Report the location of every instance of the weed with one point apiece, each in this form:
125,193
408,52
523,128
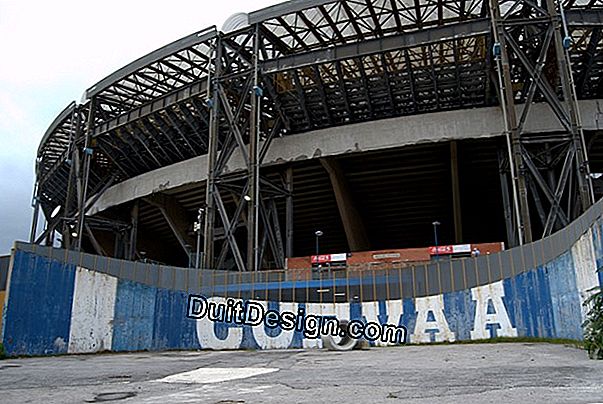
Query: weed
593,326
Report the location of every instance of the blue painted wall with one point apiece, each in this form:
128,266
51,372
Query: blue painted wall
541,302
134,317
38,312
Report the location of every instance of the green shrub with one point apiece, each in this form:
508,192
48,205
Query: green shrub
2,353
593,326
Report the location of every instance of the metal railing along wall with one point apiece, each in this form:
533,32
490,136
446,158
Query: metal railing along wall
397,282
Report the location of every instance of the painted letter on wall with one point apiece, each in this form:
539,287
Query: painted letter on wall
491,317
431,320
206,332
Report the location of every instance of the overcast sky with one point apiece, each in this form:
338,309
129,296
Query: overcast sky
51,51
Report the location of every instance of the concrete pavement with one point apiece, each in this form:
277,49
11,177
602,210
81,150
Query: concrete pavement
505,373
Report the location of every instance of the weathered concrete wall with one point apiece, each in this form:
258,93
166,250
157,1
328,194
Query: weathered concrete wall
56,304
91,327
544,302
38,308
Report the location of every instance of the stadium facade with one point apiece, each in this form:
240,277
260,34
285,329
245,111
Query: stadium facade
367,120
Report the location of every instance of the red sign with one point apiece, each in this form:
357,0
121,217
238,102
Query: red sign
325,259
450,249
441,250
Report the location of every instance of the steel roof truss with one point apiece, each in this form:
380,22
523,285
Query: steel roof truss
135,135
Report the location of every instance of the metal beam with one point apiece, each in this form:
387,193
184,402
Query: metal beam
253,178
95,244
133,243
520,192
503,165
212,156
189,41
84,175
370,47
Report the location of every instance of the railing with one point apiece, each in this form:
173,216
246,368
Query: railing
337,286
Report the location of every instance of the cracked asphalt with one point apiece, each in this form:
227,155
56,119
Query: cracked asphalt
505,373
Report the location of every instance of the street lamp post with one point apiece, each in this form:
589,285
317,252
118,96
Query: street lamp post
435,236
318,234
198,226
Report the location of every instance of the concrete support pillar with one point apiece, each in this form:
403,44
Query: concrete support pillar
134,231
176,217
352,222
289,214
456,193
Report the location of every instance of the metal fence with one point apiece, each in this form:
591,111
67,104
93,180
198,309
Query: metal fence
336,286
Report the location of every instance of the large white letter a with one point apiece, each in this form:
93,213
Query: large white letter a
483,295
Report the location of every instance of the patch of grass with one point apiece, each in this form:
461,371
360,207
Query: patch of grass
2,353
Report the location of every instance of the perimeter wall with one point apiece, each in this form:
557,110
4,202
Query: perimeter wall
64,302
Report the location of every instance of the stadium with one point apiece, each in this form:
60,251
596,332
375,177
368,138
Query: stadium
449,151
366,121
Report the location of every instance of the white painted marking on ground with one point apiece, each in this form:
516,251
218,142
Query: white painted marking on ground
216,375
207,393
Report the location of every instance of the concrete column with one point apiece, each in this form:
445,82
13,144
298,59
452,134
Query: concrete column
134,231
456,193
176,217
352,222
289,214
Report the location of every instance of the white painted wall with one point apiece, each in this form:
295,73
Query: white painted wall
92,312
585,263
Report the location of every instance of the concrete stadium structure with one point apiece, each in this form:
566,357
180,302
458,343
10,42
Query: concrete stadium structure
367,120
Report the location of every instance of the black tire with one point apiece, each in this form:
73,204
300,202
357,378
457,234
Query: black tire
346,343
